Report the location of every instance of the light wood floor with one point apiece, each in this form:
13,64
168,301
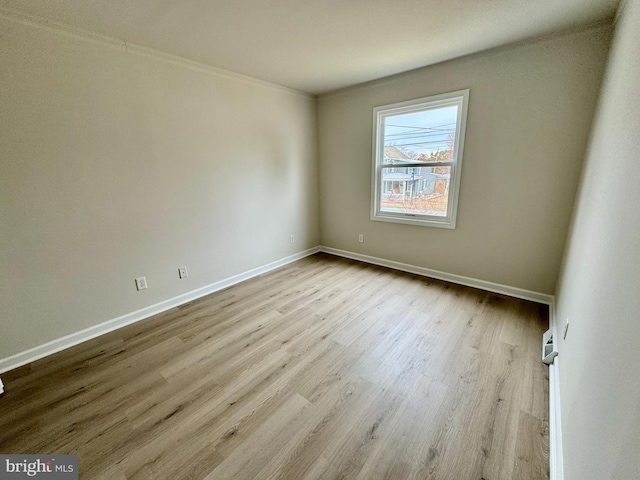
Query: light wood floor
324,369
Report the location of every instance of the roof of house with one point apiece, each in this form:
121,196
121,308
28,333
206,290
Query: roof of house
400,176
395,154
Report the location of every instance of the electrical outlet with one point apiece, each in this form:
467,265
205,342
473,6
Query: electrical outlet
361,238
292,239
566,330
141,283
182,272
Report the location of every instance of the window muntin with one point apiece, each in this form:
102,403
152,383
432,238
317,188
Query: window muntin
418,158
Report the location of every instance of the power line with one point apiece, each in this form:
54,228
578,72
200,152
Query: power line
433,142
414,135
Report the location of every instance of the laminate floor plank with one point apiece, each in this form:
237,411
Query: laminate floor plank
326,368
531,448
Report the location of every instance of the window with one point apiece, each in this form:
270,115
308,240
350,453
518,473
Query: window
417,160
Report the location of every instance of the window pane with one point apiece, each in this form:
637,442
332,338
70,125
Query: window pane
417,191
427,136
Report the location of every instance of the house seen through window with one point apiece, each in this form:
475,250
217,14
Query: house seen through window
418,159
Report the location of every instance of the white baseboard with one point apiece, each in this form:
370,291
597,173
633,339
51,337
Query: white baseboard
67,341
556,465
448,277
556,470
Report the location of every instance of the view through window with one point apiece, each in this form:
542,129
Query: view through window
418,159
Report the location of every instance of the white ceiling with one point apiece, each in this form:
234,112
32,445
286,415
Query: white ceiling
319,45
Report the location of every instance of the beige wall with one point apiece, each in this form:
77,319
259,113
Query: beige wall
599,290
529,115
116,165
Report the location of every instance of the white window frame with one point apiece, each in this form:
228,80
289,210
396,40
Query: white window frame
460,98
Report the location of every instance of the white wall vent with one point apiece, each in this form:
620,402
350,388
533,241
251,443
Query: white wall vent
549,347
